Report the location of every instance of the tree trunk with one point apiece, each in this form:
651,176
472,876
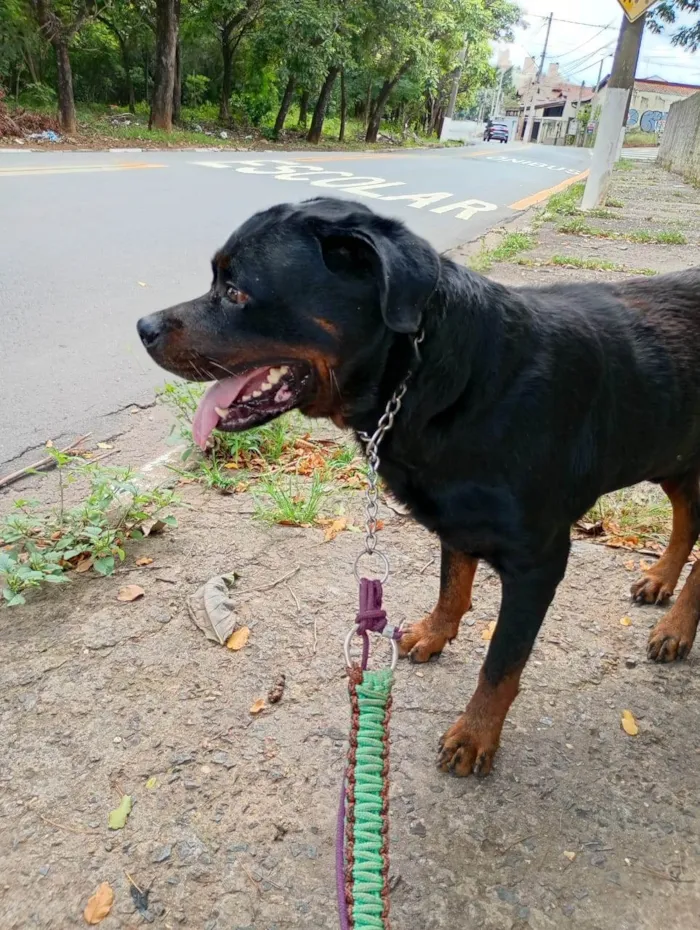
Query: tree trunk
177,85
343,107
167,26
285,105
304,109
368,105
66,103
227,76
314,134
375,119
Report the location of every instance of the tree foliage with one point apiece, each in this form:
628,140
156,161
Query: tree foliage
683,16
255,62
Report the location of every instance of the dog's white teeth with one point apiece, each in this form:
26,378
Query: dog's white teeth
223,412
246,397
284,369
266,386
257,393
274,375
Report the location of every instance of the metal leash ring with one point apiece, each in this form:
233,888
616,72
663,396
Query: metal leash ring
382,558
348,659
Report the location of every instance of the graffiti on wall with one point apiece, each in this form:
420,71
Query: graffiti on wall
648,121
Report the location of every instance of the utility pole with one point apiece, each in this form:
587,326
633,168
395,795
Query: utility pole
578,112
499,92
531,115
612,119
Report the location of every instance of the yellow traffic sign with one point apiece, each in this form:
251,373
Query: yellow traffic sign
634,8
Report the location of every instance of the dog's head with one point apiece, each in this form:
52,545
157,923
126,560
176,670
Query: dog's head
300,292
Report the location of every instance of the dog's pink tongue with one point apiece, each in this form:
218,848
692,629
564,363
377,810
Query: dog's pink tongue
220,394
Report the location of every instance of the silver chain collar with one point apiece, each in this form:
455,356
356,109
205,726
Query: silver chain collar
372,443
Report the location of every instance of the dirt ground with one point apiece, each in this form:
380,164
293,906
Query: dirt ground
233,821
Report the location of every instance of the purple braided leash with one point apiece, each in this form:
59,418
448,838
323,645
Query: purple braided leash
371,618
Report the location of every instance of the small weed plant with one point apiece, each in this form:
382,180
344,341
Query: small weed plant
40,548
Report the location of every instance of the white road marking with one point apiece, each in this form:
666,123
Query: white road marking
531,164
350,183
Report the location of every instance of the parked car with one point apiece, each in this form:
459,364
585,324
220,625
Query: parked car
497,132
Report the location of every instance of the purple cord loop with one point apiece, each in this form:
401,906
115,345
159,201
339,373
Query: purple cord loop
371,618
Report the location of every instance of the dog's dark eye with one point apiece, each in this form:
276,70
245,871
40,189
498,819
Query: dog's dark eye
236,295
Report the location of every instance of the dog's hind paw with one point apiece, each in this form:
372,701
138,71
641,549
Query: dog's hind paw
420,642
672,638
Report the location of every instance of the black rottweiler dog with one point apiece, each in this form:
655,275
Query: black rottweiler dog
525,406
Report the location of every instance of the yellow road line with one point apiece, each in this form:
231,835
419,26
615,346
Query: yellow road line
29,170
543,195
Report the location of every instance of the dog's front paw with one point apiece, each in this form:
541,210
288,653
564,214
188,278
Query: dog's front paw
421,641
467,748
652,588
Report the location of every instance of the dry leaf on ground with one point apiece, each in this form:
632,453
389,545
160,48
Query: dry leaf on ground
118,817
629,724
334,527
487,634
258,706
130,592
238,639
144,560
84,565
644,565
99,905
630,566
626,621
105,445
569,855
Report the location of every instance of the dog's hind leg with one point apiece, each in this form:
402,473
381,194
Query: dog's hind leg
659,582
428,637
471,743
673,637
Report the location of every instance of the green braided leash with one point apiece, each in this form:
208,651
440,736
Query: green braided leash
369,872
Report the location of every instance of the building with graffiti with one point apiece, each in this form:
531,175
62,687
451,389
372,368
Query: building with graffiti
651,99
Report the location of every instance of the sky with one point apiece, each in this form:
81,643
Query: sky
579,49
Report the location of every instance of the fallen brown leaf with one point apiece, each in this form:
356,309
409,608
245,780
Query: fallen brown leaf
569,855
626,621
130,592
487,634
99,905
238,639
334,527
644,565
258,706
104,445
144,560
629,724
631,565
84,565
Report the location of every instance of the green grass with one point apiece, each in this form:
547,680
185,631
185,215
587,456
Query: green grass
297,503
642,512
642,139
596,264
579,227
566,202
625,164
614,202
511,245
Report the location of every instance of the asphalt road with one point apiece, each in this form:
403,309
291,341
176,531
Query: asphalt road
91,241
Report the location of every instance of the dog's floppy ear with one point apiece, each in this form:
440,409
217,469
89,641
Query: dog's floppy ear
407,270
405,267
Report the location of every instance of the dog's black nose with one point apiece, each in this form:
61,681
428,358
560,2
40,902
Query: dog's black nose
150,329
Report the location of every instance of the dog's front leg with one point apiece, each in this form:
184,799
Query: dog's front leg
471,743
428,637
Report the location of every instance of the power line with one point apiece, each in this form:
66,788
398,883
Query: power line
577,47
572,22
